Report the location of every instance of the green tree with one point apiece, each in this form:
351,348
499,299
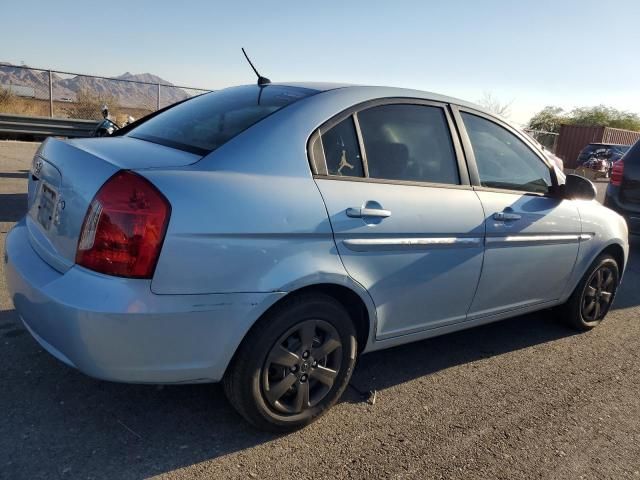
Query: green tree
548,119
604,116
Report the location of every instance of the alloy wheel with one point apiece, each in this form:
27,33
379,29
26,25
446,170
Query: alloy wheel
301,367
598,294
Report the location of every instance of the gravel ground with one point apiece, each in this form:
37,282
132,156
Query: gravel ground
524,398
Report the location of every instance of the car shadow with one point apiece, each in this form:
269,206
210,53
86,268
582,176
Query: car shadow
12,206
144,430
628,295
387,368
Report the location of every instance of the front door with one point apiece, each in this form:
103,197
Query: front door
532,237
405,226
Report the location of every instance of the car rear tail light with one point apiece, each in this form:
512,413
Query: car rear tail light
124,228
616,173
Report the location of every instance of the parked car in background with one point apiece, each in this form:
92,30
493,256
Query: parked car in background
605,151
266,235
595,167
623,192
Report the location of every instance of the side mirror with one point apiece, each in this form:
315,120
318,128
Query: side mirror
578,188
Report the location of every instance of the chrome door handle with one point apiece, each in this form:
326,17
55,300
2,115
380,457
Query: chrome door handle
367,212
506,217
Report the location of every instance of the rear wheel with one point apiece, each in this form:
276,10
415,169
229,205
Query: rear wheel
593,296
294,364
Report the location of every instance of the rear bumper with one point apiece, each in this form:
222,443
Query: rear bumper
117,329
630,213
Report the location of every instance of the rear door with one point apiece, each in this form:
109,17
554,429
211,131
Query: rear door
407,224
532,236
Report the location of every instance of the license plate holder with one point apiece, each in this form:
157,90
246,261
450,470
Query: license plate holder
46,205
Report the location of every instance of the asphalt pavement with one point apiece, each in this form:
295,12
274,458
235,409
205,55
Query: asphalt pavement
519,399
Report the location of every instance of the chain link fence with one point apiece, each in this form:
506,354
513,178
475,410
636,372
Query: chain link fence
547,139
50,93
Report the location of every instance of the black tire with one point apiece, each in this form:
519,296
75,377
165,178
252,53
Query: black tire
254,373
575,312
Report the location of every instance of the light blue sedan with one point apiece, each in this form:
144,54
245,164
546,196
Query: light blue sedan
267,235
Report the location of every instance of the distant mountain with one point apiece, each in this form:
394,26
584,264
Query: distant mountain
142,77
66,87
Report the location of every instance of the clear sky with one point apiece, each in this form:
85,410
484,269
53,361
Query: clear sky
534,53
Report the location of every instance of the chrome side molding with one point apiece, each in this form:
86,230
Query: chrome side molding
422,243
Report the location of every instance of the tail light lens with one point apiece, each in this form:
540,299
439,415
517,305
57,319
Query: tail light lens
616,173
124,228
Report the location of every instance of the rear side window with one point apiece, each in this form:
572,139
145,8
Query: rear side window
503,160
408,142
206,122
341,150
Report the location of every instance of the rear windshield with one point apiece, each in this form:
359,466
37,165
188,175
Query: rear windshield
204,123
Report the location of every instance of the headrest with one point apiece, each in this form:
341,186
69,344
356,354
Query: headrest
387,160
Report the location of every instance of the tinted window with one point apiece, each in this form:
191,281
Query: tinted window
632,156
503,160
341,150
408,142
620,149
206,122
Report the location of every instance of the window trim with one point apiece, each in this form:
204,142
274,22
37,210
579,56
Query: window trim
410,183
363,150
319,165
472,166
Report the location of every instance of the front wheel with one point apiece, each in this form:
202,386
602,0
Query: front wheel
294,364
592,298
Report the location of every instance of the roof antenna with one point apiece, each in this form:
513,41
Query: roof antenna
262,81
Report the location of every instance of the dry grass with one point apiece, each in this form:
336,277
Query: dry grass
87,106
10,103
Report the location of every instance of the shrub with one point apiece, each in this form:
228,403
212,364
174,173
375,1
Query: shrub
88,105
6,99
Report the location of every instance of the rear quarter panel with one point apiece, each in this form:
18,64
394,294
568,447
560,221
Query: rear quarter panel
239,232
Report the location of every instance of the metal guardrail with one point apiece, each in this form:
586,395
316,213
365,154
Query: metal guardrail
45,126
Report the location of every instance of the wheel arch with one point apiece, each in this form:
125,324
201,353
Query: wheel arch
352,302
617,252
353,297
614,247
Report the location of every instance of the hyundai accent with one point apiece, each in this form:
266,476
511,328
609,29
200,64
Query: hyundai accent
267,235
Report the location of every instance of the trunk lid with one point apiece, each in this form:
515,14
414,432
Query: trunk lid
64,179
133,154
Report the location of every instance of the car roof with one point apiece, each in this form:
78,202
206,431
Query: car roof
382,91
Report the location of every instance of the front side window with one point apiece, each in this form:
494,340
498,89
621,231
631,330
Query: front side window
503,160
408,142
